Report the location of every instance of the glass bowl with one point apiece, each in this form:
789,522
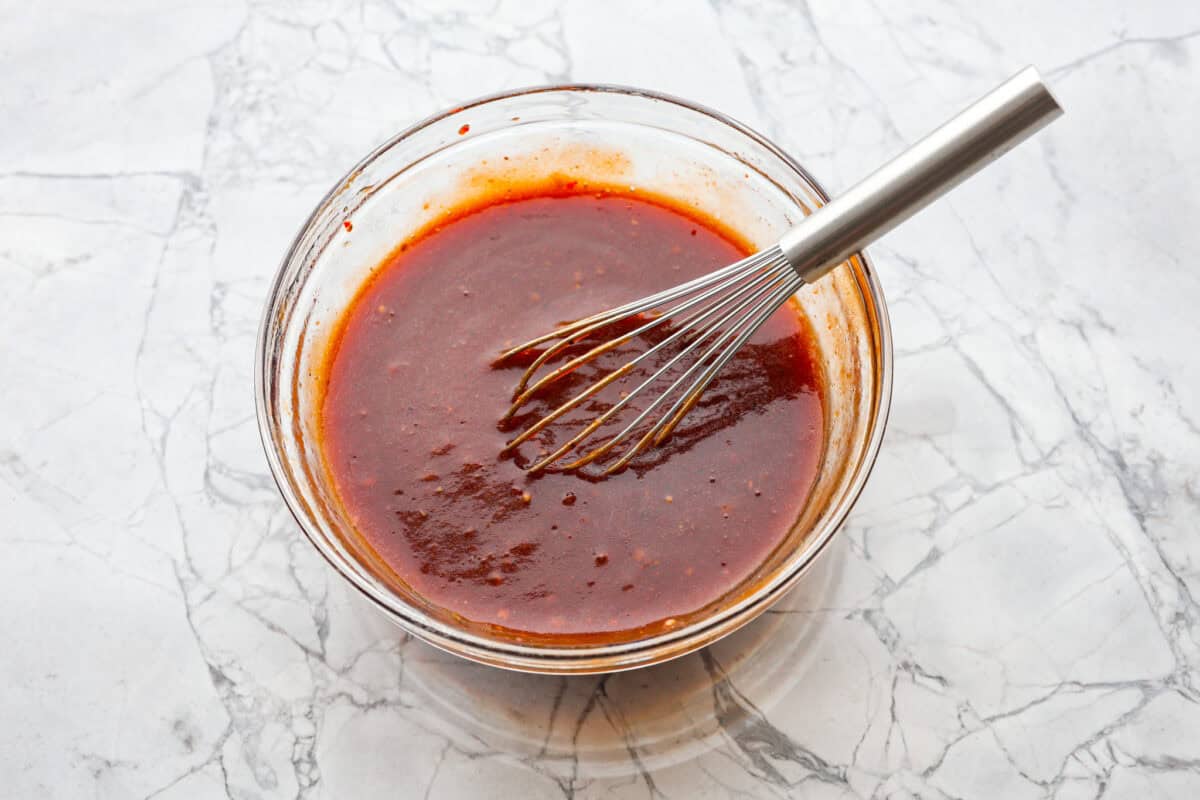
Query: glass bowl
603,135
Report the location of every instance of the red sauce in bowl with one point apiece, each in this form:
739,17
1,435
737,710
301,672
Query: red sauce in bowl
408,424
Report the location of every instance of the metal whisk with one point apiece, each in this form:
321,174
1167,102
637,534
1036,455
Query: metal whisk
708,319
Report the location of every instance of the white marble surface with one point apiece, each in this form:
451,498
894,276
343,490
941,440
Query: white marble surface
1012,610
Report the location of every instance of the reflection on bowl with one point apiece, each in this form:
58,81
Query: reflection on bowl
605,136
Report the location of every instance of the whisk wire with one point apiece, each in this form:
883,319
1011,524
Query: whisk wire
723,350
725,307
761,278
681,408
578,331
762,288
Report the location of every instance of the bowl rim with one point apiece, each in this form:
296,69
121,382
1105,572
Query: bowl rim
589,659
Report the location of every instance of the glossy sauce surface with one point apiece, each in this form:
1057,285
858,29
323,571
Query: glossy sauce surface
410,436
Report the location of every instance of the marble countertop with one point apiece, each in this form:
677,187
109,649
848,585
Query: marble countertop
1011,611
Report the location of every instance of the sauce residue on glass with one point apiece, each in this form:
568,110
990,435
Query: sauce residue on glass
408,423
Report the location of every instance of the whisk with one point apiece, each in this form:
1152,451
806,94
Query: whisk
708,319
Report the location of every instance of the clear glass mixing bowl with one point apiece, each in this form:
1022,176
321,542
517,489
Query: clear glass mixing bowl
606,135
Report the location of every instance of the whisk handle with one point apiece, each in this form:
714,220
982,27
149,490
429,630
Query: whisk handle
996,123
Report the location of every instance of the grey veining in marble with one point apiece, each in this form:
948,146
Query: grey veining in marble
1012,610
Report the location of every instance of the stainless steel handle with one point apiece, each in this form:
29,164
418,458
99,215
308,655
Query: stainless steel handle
999,121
